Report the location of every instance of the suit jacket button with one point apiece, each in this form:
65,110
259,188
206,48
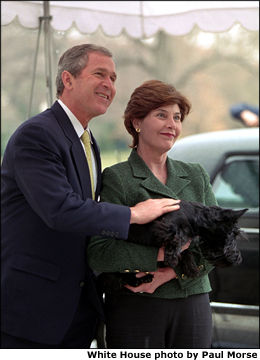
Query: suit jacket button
126,271
183,276
81,284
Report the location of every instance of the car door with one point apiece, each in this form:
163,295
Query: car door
235,295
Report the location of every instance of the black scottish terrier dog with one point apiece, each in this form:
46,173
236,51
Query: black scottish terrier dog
213,228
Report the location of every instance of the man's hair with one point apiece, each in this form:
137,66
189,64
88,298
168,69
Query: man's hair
150,96
74,60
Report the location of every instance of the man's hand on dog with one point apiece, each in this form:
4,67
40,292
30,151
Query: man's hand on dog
148,210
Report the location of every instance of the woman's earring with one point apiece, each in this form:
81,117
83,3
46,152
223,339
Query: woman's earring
138,130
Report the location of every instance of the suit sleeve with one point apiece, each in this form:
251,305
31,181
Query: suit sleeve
37,163
111,255
237,109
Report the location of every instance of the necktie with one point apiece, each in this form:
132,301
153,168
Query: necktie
86,142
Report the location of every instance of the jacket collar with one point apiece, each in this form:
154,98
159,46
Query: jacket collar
177,177
77,151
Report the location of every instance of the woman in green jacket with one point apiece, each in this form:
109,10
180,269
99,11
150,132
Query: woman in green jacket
172,311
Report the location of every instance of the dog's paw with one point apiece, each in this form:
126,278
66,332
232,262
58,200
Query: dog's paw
132,280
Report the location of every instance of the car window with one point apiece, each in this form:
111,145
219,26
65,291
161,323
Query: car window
237,183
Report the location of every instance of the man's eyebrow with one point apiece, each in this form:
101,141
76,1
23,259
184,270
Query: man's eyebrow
106,71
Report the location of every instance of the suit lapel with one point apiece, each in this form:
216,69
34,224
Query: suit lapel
176,182
77,152
81,167
177,179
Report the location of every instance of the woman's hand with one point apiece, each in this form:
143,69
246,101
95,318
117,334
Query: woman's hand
160,277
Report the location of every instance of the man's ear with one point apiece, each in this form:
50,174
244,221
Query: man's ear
67,79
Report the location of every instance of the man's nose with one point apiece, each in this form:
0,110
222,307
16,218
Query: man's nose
107,82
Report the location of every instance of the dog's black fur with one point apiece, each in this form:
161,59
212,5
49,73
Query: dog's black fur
213,228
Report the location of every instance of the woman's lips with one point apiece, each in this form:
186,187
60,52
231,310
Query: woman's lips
169,135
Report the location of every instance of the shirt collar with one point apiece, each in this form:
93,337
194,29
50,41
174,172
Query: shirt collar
75,122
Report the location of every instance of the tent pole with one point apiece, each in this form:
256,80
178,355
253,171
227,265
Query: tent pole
141,5
47,51
34,68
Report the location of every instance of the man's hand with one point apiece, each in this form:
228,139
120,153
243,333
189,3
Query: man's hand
249,118
151,209
160,276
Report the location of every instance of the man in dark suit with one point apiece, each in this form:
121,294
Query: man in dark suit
49,293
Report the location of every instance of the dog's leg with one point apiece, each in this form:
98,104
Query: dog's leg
188,264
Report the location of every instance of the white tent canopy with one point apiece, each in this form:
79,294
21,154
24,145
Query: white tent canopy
137,18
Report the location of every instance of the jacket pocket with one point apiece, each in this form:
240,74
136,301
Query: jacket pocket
36,267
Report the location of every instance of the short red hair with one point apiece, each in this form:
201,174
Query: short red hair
149,96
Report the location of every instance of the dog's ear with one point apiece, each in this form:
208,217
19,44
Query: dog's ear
240,212
233,215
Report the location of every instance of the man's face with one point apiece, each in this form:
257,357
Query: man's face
94,89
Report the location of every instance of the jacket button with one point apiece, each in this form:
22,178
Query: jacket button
126,271
81,284
183,276
137,271
201,267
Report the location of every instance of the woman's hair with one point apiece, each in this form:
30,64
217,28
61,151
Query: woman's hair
150,96
75,60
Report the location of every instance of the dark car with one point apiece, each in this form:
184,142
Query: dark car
231,159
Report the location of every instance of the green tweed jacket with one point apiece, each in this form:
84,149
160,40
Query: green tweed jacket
130,182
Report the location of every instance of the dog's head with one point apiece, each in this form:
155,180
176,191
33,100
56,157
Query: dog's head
217,221
228,253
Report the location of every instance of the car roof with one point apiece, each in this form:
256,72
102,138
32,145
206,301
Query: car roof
209,148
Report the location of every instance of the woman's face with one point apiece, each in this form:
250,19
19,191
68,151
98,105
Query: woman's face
160,128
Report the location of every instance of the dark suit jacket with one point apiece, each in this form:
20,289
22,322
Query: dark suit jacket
132,181
47,217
